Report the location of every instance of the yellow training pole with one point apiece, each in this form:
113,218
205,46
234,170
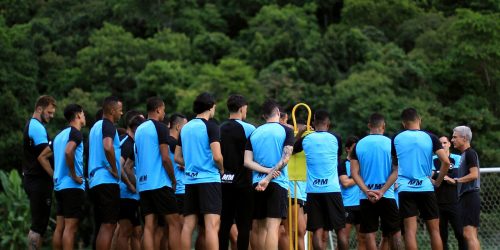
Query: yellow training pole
289,219
296,217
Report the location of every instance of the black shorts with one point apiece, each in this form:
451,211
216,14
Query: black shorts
270,203
129,210
159,201
325,210
352,215
203,198
39,191
180,203
69,203
106,199
470,206
385,209
413,203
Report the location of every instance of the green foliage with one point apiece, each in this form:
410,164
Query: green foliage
14,212
352,57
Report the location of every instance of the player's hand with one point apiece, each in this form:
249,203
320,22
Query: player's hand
262,185
276,173
132,189
174,185
434,182
77,179
374,195
449,180
221,171
114,173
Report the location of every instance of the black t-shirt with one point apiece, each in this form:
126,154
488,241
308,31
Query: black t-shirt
172,143
469,160
233,141
446,193
35,140
342,169
127,148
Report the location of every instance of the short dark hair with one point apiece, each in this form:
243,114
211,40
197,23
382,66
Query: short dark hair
321,116
109,103
135,121
98,114
175,119
282,114
131,114
44,101
203,102
351,140
409,115
71,111
235,102
445,136
268,107
376,120
153,103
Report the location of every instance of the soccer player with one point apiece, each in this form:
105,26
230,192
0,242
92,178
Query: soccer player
447,197
130,225
104,170
176,122
468,182
267,153
200,152
69,185
324,201
237,194
350,194
412,151
373,171
155,176
37,180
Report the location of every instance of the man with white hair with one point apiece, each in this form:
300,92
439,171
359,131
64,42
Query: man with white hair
468,185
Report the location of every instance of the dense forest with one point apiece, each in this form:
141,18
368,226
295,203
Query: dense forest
352,57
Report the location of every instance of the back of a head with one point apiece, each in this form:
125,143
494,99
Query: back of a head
203,102
98,114
270,108
71,111
109,104
321,116
175,119
131,114
153,103
135,121
351,140
376,120
235,102
44,101
409,115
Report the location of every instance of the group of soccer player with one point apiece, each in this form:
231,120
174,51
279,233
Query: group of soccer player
178,176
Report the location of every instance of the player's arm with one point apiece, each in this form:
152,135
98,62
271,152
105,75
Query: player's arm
445,165
217,156
473,175
128,168
179,159
43,159
69,155
124,175
109,152
473,164
390,181
357,177
248,161
167,163
346,181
